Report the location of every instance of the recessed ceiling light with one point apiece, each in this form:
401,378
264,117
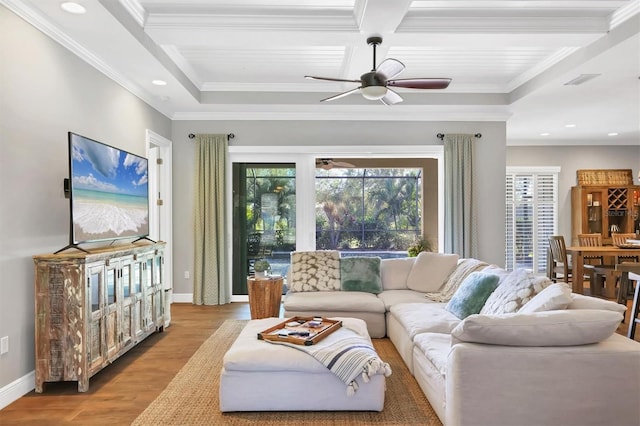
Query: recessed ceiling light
612,134
569,126
545,134
73,7
159,82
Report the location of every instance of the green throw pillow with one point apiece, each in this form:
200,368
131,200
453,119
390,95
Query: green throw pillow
472,293
360,274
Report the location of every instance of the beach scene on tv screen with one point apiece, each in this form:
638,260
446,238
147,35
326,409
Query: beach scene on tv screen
109,192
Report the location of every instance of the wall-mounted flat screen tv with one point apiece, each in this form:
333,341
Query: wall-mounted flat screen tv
109,192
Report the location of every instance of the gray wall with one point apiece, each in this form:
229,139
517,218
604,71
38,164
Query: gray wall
571,159
490,150
46,91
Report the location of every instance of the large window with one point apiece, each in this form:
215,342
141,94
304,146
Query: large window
368,208
275,202
264,218
531,216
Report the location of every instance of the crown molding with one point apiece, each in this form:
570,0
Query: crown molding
625,13
507,24
347,113
44,25
343,21
570,142
136,10
322,87
541,67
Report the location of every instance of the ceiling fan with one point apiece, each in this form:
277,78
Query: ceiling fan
375,84
328,163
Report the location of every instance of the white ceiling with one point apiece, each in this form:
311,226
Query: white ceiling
246,59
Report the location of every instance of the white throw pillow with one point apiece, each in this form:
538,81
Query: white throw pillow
551,328
579,301
315,271
514,291
394,273
554,297
430,271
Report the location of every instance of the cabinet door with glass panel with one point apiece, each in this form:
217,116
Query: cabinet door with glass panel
111,310
97,321
158,291
152,290
135,300
127,300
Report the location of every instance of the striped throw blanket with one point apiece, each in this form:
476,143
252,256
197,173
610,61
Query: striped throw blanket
347,355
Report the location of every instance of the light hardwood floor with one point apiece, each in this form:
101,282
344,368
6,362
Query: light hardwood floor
120,392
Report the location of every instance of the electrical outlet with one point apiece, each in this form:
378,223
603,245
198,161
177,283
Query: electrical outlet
187,275
4,345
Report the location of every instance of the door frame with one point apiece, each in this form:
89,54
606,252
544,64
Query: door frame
164,176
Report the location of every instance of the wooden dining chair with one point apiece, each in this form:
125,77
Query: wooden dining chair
621,239
618,239
559,268
592,264
630,274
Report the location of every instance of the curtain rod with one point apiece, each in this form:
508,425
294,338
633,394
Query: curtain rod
441,136
229,136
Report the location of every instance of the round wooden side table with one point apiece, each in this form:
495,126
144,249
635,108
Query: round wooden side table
265,295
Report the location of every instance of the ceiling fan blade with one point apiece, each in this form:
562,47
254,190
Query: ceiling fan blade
391,98
340,95
324,163
313,77
421,83
341,164
390,68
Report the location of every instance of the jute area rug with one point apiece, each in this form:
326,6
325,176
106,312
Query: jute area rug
191,398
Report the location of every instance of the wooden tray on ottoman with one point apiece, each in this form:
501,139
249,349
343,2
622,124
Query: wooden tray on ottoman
311,329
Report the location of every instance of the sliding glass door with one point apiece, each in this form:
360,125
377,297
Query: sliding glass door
264,218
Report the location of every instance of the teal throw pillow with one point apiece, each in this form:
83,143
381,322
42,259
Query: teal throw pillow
472,293
360,274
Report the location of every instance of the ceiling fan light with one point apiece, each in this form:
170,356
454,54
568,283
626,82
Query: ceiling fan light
373,93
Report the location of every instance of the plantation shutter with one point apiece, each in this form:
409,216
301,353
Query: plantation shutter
531,216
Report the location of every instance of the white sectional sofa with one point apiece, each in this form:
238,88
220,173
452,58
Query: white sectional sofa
554,361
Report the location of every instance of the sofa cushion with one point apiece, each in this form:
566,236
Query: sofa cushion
579,301
394,273
472,294
393,297
430,317
360,274
550,328
554,297
342,301
430,271
514,291
461,271
435,347
315,271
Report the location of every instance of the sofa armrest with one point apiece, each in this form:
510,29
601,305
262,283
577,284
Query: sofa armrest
569,385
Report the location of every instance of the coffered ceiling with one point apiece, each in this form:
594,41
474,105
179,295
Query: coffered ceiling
246,59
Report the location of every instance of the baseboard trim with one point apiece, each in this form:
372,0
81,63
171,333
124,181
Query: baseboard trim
182,298
17,389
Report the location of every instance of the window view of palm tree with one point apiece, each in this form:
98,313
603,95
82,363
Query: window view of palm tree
368,209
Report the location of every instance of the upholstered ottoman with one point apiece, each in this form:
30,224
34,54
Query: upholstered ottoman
263,376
